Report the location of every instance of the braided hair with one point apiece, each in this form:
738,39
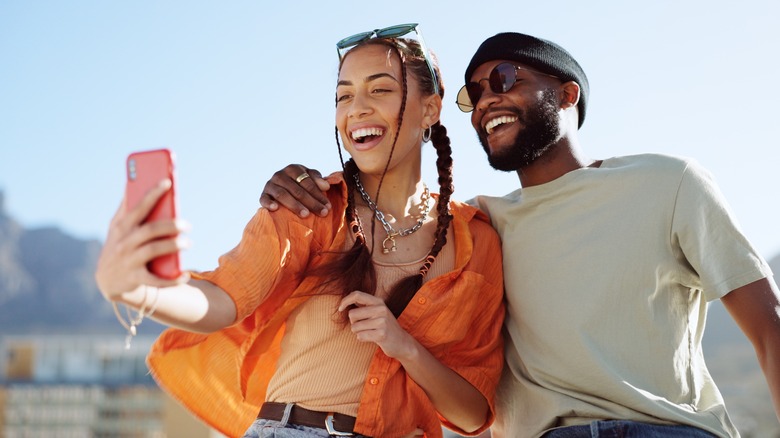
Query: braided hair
352,269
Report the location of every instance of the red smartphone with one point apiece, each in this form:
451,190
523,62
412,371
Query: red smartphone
145,170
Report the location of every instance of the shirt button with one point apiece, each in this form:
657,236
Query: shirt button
373,381
422,300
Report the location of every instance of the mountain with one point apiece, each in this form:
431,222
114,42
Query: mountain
47,282
14,280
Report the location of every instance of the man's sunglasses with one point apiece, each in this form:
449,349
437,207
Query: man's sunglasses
390,32
501,79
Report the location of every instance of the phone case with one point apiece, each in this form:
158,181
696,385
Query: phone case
145,170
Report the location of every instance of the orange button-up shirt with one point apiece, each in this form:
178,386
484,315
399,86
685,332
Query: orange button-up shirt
222,377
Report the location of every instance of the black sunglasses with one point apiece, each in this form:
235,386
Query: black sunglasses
501,79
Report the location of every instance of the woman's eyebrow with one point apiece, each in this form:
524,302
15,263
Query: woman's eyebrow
368,79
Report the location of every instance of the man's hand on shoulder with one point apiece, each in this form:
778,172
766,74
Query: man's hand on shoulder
297,188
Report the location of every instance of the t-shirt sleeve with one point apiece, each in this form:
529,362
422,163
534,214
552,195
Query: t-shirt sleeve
710,237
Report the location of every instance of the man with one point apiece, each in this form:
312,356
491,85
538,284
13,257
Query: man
609,264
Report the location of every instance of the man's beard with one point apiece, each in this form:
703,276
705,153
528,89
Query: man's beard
541,131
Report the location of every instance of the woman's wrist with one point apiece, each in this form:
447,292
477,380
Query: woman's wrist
148,305
136,299
411,351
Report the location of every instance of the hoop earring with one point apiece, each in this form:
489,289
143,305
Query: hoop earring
427,134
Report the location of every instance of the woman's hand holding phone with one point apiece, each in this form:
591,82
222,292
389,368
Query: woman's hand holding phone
145,170
143,231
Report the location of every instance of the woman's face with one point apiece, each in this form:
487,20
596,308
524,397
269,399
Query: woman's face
368,101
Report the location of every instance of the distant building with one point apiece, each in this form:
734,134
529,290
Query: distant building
85,386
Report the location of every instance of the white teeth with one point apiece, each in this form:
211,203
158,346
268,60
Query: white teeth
364,132
491,124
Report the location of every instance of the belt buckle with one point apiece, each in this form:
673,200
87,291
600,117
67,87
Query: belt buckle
332,430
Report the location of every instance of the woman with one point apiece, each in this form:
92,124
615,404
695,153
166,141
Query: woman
352,324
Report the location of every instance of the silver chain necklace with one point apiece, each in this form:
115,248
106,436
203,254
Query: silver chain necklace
391,232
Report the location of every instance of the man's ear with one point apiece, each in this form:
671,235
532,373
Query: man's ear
570,94
431,110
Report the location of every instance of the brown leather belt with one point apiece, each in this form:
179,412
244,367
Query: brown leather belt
336,424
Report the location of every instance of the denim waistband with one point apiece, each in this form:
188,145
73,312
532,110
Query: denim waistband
627,429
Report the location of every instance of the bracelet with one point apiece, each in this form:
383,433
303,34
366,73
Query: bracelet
133,322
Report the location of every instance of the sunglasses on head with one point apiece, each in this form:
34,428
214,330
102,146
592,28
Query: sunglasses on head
501,79
396,31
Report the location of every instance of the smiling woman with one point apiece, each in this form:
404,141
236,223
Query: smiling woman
334,325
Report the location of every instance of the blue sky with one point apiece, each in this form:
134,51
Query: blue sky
238,89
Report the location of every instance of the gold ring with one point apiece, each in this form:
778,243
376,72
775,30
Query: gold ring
302,177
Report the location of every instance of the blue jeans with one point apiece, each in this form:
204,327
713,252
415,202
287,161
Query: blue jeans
627,429
263,428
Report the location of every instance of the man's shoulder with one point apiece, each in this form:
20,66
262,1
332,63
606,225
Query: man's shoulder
652,166
488,204
651,160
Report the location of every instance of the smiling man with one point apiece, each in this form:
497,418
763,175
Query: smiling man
609,264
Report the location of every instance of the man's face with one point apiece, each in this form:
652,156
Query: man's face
520,125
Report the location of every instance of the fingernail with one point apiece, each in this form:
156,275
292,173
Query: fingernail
324,212
183,225
273,206
304,213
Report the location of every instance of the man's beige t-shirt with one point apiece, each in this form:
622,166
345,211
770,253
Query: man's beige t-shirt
608,272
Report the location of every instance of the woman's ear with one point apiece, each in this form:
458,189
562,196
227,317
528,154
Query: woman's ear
431,110
570,94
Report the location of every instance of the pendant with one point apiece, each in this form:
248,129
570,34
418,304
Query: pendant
392,248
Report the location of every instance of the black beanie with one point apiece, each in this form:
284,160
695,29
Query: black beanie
542,55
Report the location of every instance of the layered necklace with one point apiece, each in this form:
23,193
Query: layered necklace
388,244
